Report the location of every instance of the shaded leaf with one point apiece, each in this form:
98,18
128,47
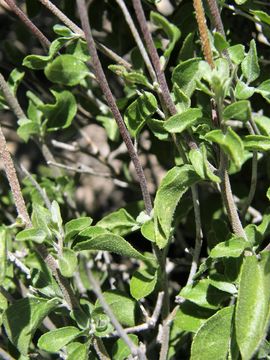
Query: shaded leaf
23,317
119,222
250,66
143,282
230,248
180,122
256,142
68,262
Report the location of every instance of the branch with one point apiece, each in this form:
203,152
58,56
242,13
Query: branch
29,24
100,76
136,351
137,38
199,235
165,335
71,25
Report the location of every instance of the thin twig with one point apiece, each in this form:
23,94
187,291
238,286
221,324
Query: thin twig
216,16
199,235
118,327
137,38
165,93
71,25
4,355
41,191
101,78
82,169
32,27
19,264
11,99
100,349
6,294
165,336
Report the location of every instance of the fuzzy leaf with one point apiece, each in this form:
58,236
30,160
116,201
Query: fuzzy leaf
172,187
243,91
257,142
250,66
237,53
3,254
66,70
56,339
264,90
230,142
230,248
74,226
68,262
180,122
119,222
110,242
212,340
143,282
186,74
239,110
61,113
252,308
138,112
33,234
120,350
23,317
170,29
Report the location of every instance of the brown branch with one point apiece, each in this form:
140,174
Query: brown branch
28,23
103,83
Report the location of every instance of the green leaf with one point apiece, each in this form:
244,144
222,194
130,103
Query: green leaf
243,91
252,307
157,128
77,350
172,187
198,159
220,42
61,113
138,112
257,142
78,49
186,74
263,123
56,214
3,254
143,282
203,294
264,90
68,262
74,226
120,350
220,282
230,143
110,125
239,110
250,66
66,70
190,316
33,234
119,222
261,15
23,317
230,248
236,53
183,102
91,232
212,340
125,309
56,339
240,2
148,230
170,29
15,78
180,122
27,128
62,30
110,242
187,49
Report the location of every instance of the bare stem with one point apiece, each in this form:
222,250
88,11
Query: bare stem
28,23
165,93
5,356
137,38
226,192
118,327
199,235
165,337
11,99
76,29
100,76
216,16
